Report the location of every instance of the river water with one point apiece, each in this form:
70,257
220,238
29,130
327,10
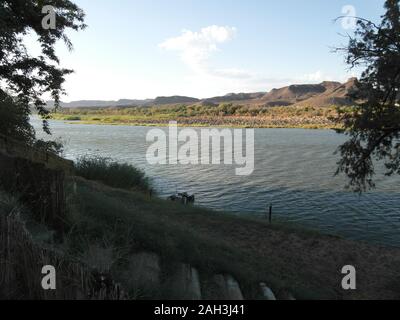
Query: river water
294,170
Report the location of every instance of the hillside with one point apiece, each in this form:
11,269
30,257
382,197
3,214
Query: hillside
174,100
324,94
101,103
232,97
334,95
145,243
287,258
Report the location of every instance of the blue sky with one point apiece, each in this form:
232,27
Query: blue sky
202,48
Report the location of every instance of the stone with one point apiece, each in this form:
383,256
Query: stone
185,283
267,292
228,287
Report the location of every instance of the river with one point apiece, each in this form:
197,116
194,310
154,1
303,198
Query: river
294,170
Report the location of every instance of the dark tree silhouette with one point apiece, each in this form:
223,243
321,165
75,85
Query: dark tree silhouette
373,125
25,78
14,120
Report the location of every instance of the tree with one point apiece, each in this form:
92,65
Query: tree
373,125
24,78
14,121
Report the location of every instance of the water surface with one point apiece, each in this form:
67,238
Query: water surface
294,170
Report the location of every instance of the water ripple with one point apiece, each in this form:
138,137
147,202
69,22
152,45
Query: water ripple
293,170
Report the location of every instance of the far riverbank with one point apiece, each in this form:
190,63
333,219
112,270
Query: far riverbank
200,116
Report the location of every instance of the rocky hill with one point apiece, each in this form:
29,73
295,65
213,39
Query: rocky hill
174,100
326,93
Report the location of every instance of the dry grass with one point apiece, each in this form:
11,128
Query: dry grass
22,259
302,262
110,229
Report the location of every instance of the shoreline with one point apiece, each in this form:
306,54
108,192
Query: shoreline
286,256
262,251
224,116
183,124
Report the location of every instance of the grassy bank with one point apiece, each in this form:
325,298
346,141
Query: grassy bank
108,227
224,115
305,263
112,173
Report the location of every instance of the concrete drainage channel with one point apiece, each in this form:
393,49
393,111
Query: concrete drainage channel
184,283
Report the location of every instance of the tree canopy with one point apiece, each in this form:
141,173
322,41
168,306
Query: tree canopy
373,125
24,78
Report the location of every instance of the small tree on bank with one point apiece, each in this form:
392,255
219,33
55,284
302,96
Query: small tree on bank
374,124
24,78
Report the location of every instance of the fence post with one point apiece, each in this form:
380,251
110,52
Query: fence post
270,213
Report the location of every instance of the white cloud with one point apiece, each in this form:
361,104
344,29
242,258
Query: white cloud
315,77
195,48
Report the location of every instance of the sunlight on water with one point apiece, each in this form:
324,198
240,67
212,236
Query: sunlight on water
294,169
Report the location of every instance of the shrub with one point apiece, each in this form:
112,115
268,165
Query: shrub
112,173
73,118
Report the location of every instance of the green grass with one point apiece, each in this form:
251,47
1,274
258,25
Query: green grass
201,237
73,118
107,226
132,222
112,173
286,257
224,115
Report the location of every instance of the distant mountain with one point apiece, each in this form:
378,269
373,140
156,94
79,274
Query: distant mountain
334,95
326,93
174,100
100,103
130,102
296,93
231,97
125,102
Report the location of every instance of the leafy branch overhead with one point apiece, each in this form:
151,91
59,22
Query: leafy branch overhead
28,77
373,125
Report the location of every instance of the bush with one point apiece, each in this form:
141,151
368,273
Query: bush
73,118
112,173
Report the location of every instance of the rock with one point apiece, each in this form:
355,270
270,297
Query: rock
290,297
144,274
267,292
194,287
234,291
228,287
286,295
185,283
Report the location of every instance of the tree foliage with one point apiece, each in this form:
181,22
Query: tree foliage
14,120
24,78
373,125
